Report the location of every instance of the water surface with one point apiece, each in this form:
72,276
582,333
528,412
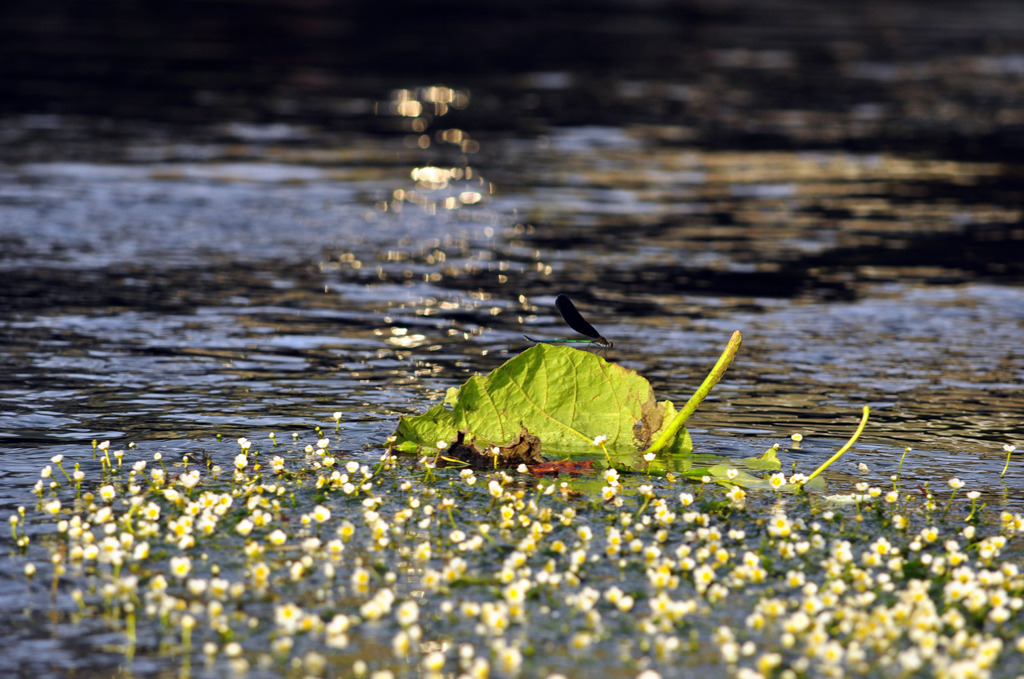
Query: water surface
258,258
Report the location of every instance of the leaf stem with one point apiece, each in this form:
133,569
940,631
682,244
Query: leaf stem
839,453
1009,451
709,383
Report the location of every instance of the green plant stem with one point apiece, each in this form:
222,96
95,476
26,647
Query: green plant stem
974,510
643,508
949,504
709,383
839,453
451,519
899,470
130,632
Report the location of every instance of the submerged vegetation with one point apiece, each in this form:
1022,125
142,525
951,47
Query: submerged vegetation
306,560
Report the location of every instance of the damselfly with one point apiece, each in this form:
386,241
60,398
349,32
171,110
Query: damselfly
574,320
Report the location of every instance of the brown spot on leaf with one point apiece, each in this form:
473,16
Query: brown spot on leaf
651,415
523,449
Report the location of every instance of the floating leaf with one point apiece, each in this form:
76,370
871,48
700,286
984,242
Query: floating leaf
768,462
563,396
565,402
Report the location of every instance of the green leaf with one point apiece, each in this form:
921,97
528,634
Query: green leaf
424,431
768,462
451,397
564,396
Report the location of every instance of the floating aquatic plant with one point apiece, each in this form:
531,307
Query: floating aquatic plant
321,562
550,401
562,402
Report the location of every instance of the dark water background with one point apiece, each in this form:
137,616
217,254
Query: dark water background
238,218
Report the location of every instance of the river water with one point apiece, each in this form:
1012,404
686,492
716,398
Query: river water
254,261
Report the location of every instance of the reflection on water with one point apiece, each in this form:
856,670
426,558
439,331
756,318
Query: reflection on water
216,289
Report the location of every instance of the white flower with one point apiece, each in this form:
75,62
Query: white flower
180,566
736,495
433,661
407,613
